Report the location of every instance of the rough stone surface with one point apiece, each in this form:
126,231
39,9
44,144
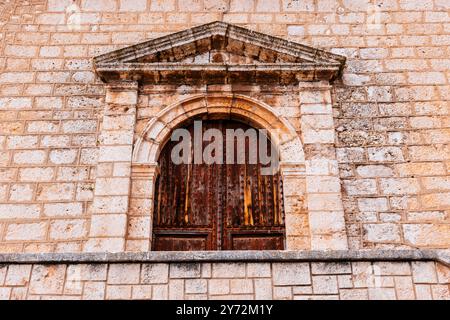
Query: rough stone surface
285,280
391,135
375,144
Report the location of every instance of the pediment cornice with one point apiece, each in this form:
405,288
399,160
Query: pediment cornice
265,58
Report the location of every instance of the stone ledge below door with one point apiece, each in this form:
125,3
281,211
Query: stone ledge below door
442,256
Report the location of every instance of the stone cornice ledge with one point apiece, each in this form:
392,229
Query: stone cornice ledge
442,256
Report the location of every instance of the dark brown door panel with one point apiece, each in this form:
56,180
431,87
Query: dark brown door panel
182,241
222,201
257,242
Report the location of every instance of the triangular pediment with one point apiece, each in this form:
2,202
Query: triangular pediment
219,48
220,56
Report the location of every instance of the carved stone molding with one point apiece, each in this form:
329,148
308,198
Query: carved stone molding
219,52
228,57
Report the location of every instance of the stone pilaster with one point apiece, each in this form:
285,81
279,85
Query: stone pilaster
323,187
112,185
295,206
139,233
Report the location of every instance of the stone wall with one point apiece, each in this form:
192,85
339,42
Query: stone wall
279,279
391,108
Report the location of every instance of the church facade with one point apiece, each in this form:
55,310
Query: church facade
316,163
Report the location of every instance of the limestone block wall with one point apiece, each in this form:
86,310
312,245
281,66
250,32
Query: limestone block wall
391,112
421,280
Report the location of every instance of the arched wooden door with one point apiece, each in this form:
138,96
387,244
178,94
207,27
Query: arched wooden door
217,206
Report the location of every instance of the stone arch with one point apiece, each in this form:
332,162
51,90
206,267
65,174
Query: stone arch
156,133
153,137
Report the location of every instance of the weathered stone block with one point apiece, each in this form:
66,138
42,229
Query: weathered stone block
354,294
154,273
324,202
73,174
47,279
297,6
282,293
112,186
68,229
104,245
185,270
404,288
88,272
382,294
115,204
79,126
26,231
63,156
21,142
423,292
219,286
18,275
323,184
124,273
324,222
5,293
29,157
21,193
123,97
228,270
176,289
374,171
382,232
133,5
162,5
139,227
325,284
331,268
63,209
291,273
424,272
384,154
345,281
55,192
160,292
36,174
392,186
440,292
116,137
94,291
114,153
373,204
360,187
258,270
330,241
393,268
426,234
118,292
263,289
196,286
109,225
142,292
19,211
241,286
98,5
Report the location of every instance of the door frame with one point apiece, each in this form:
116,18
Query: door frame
219,235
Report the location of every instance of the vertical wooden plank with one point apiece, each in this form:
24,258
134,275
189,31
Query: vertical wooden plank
229,206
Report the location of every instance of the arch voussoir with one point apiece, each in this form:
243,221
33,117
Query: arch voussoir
256,113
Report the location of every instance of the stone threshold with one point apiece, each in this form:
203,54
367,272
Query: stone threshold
442,256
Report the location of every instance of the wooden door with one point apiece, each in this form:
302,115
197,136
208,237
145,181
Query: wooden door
217,206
